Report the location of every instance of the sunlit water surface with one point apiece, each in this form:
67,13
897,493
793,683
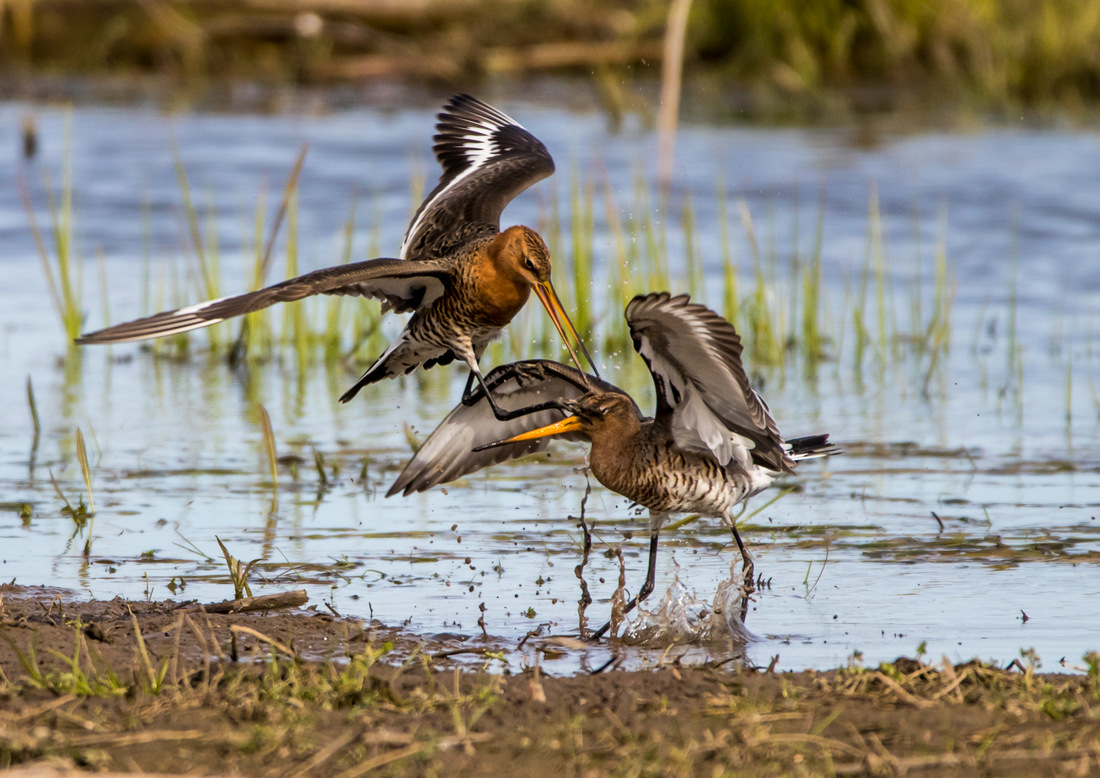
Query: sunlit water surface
1003,450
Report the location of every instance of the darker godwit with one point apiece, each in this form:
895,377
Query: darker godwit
711,444
461,276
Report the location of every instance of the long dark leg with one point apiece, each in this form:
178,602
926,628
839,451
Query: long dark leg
645,591
500,413
468,392
749,568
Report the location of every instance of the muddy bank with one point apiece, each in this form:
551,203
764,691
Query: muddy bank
133,686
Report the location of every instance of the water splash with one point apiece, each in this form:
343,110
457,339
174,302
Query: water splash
683,617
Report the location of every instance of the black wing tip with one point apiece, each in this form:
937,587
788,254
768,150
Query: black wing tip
408,484
458,101
463,102
464,116
668,299
101,338
718,326
397,487
365,380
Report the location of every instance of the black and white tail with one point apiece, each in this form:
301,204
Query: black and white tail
404,355
810,447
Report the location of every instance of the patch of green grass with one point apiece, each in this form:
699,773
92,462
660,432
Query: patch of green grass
238,573
80,675
247,702
82,514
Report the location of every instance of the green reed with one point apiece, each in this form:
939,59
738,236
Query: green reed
794,269
63,270
582,201
332,335
1069,389
877,253
619,276
550,225
813,339
730,299
206,261
238,572
270,454
85,470
937,333
653,229
692,261
34,418
1013,348
763,320
360,319
254,337
780,304
82,514
295,322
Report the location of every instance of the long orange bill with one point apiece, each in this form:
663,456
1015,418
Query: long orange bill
549,299
568,424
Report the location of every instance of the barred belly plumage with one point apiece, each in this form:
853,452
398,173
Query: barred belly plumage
693,492
671,481
440,326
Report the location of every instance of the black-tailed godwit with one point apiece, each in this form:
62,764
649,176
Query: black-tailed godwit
461,276
711,444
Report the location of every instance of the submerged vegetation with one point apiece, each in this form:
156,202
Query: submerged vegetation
780,55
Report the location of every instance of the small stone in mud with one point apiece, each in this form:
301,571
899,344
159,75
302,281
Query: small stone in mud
96,632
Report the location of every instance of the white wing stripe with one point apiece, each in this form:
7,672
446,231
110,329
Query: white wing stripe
427,208
190,309
479,148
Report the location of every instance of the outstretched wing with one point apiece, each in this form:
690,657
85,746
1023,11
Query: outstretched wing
448,453
702,389
401,285
487,160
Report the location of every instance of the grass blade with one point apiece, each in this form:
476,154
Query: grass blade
34,417
82,456
269,447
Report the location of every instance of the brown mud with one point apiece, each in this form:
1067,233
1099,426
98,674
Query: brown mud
167,688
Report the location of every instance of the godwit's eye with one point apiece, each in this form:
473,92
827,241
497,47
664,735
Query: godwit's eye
530,264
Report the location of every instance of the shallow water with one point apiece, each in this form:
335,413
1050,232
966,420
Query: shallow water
1006,457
